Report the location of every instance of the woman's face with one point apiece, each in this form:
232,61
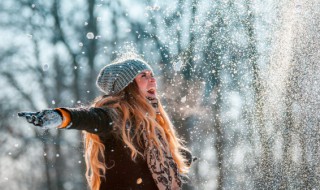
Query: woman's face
147,84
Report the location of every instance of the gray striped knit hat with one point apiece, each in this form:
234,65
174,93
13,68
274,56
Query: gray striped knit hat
116,76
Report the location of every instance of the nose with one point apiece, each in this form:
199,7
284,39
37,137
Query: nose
152,79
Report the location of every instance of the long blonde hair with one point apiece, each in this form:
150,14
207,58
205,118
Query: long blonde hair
131,108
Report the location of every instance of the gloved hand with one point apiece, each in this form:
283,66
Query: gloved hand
44,118
188,156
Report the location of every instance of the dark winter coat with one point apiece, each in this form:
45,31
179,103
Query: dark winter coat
123,172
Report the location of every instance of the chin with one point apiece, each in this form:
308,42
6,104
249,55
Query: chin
151,95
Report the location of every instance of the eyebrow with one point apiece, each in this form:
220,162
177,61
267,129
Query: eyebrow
146,72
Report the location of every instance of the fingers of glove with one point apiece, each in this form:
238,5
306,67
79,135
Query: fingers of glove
34,118
27,115
42,118
38,119
21,114
29,118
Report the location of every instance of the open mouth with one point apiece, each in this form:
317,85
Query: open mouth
152,91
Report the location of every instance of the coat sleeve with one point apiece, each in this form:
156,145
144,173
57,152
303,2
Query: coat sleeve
92,120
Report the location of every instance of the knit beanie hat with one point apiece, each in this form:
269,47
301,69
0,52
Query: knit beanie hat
116,76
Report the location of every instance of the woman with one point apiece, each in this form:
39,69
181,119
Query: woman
129,140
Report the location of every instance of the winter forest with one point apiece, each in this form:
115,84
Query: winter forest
239,79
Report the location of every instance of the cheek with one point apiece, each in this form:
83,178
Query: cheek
142,84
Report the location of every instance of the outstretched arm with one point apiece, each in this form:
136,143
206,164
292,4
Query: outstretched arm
93,120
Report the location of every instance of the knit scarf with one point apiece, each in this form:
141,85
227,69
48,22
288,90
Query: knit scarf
163,168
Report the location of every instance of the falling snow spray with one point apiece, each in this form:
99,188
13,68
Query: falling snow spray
291,100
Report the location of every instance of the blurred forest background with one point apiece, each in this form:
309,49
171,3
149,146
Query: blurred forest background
240,80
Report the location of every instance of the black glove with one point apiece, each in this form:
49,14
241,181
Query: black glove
45,118
188,156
